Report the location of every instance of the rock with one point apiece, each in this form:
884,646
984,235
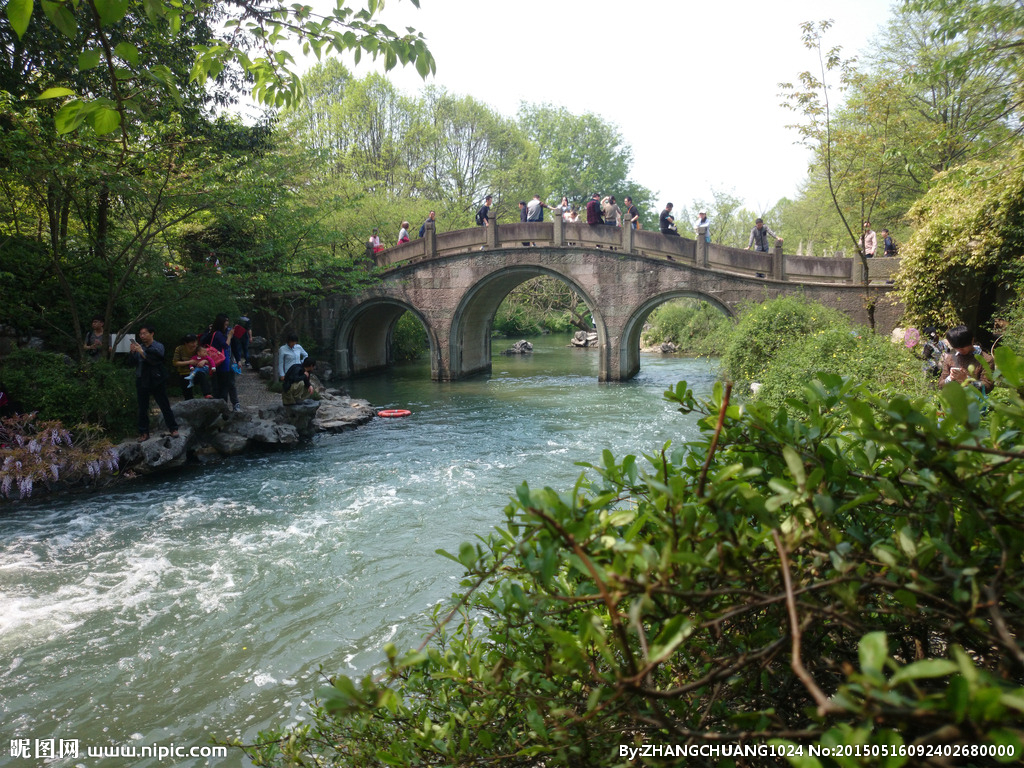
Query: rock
521,347
584,339
667,348
300,418
339,413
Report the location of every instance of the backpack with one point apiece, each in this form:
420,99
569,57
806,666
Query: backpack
480,216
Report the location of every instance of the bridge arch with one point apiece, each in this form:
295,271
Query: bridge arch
362,341
473,320
629,348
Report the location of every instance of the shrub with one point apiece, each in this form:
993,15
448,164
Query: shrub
693,326
858,355
59,389
850,575
516,320
409,339
763,329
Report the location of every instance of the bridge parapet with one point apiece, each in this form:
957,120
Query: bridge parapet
651,244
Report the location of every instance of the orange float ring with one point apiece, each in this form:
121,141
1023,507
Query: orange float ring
394,413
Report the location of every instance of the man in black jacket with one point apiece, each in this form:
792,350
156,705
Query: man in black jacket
151,379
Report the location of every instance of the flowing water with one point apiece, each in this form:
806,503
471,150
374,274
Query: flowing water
172,611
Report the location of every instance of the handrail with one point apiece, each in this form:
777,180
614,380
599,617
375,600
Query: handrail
644,243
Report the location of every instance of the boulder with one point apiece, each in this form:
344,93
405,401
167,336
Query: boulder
584,339
340,412
521,347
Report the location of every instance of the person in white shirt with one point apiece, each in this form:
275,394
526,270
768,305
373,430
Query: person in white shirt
702,221
289,354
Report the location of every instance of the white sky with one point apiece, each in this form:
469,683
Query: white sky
692,88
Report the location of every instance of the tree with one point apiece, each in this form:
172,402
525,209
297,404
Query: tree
106,219
580,155
844,571
966,256
253,31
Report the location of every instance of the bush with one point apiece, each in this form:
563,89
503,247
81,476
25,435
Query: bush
693,326
858,355
100,393
850,575
517,320
409,339
763,329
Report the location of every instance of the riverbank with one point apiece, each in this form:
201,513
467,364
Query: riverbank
210,431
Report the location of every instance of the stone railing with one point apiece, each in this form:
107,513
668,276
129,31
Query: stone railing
651,244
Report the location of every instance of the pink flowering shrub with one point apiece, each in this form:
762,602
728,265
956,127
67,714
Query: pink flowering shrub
34,452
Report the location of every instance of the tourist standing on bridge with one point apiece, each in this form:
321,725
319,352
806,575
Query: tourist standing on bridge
667,222
869,240
403,233
632,214
611,212
759,237
594,210
483,215
562,210
428,223
524,214
888,244
702,221
535,209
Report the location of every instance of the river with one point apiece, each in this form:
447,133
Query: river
201,605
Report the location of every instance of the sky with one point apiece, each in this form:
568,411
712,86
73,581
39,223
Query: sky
693,89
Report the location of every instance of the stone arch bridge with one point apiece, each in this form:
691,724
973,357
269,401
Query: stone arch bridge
453,282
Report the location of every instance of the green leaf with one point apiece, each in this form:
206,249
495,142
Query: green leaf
70,116
672,634
795,464
873,650
55,93
924,669
88,59
19,13
111,11
61,17
128,52
104,120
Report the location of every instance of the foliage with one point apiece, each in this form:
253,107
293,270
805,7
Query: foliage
252,37
730,222
762,329
695,327
542,304
967,250
100,393
846,571
409,338
580,155
35,453
778,343
837,349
